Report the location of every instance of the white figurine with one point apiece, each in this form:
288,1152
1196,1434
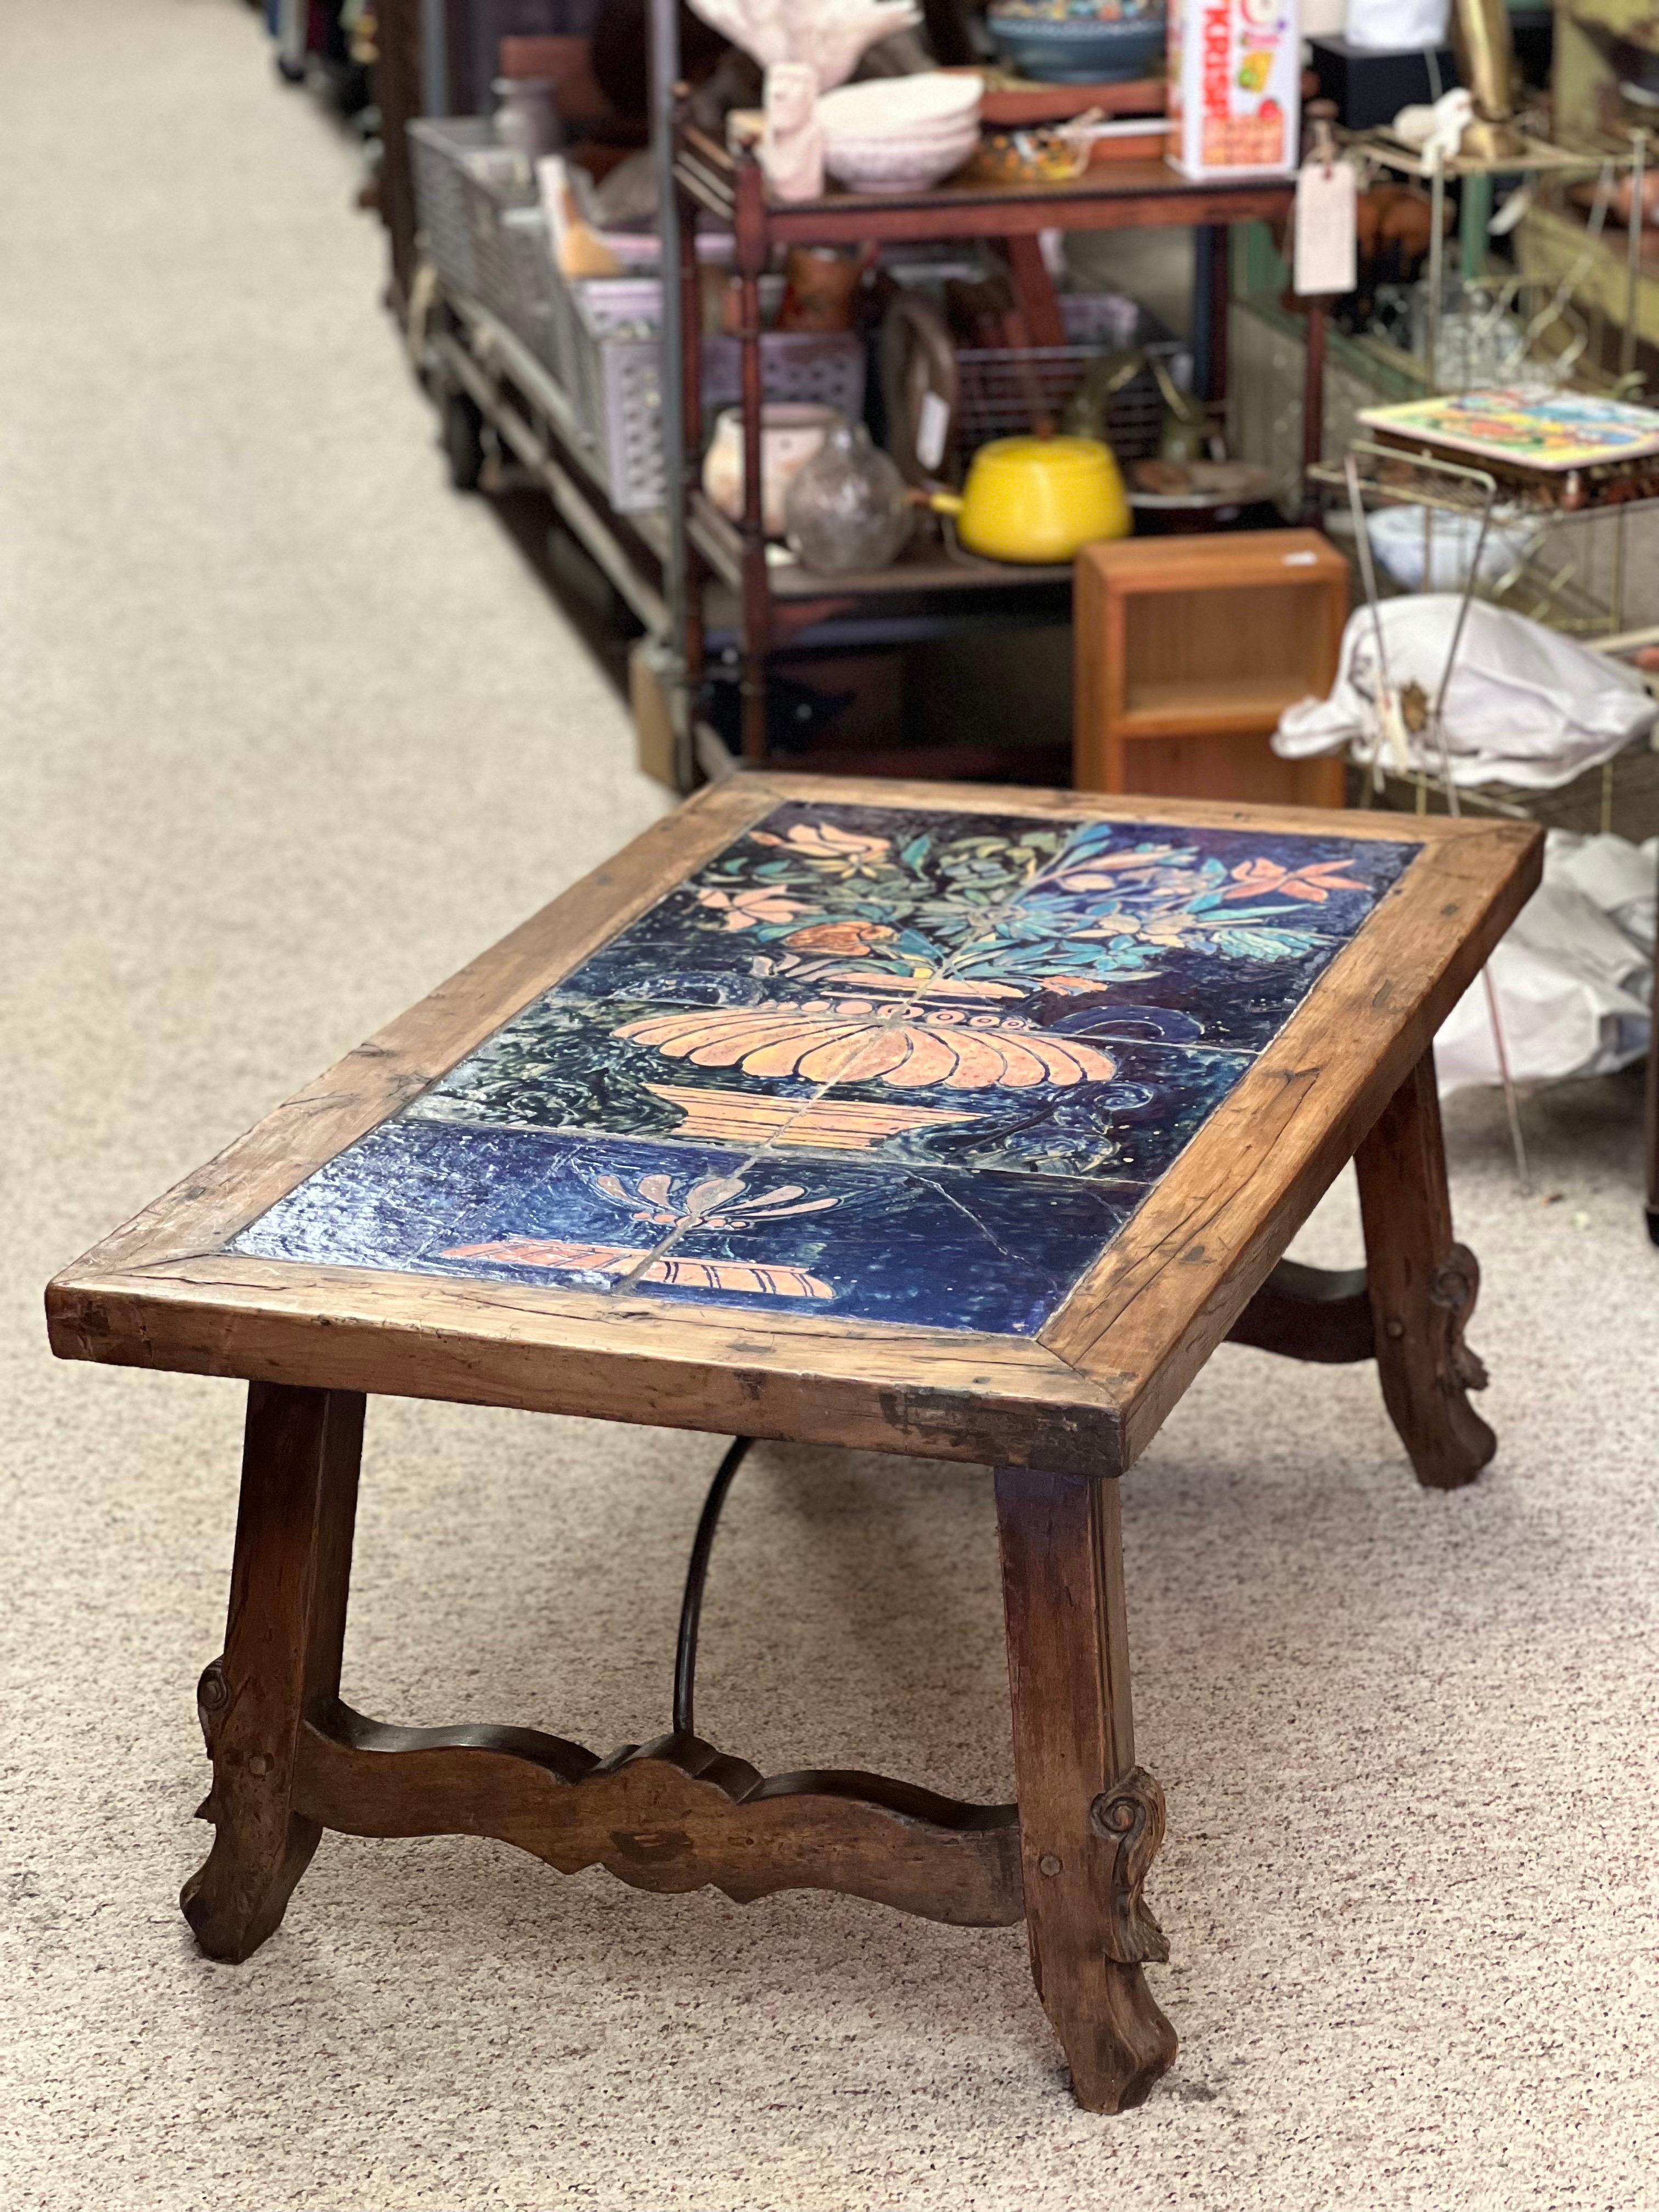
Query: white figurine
792,143
830,35
1436,131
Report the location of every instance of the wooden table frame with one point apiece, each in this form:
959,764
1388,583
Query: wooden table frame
1060,1415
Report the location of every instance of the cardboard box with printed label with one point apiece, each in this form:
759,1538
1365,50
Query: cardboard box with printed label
1235,86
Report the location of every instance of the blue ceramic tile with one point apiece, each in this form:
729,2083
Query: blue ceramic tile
1229,928
867,1062
946,1250
1269,878
943,1250
412,1191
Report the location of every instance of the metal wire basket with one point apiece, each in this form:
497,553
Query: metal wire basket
1004,390
465,185
600,336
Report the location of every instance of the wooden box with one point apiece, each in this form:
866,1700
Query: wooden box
1188,649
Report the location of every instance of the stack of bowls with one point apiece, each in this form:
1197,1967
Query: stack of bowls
900,134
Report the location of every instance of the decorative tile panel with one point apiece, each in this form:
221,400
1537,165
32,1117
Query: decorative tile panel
866,1061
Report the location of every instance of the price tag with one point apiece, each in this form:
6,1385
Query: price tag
932,426
1326,206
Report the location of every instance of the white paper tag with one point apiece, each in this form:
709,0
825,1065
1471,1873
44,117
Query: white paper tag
1326,202
932,427
554,193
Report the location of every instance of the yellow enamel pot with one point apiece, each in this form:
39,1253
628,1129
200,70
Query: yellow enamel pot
1038,499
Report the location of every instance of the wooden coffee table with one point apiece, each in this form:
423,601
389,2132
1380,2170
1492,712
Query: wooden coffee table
957,1121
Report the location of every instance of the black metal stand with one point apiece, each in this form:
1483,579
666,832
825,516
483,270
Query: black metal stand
696,1574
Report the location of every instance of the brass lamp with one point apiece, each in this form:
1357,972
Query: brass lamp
1485,47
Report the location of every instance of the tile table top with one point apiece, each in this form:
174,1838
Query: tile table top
931,1117
902,1066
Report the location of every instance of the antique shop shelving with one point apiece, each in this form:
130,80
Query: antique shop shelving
778,605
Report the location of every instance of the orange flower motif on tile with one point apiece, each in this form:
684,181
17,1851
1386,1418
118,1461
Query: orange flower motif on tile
716,1202
748,910
1314,882
551,1252
560,1257
855,1041
839,936
833,852
1105,872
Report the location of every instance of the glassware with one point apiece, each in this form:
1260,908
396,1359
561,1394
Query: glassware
526,118
847,507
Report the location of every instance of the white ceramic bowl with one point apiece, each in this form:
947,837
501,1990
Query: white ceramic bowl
920,134
1437,559
886,164
900,106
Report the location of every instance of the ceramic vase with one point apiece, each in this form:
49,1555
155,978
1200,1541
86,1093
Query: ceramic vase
791,433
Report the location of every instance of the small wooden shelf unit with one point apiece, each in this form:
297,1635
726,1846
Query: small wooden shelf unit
1188,650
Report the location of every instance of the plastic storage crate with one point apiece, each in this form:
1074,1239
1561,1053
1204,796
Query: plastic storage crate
618,384
599,337
463,185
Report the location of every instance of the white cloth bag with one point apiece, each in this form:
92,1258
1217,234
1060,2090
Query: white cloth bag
1525,705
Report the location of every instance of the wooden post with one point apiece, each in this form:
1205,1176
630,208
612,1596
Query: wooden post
397,84
1213,244
1090,1820
751,254
1313,405
688,645
282,1658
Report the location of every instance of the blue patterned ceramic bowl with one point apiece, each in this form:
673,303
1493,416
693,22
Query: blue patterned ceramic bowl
1080,41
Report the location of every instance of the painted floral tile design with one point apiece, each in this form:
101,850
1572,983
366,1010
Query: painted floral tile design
1081,1105
869,1061
568,1064
813,894
1002,912
507,1206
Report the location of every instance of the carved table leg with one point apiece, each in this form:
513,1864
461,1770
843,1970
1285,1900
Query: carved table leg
281,1659
1423,1288
1090,1820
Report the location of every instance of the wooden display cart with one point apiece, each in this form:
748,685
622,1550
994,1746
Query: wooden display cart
778,605
1188,650
704,586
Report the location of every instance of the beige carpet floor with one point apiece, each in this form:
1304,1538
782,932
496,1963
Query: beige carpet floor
287,731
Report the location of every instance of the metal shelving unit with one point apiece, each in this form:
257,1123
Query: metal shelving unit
711,599
779,605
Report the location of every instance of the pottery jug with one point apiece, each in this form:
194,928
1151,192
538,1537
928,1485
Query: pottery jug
792,430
